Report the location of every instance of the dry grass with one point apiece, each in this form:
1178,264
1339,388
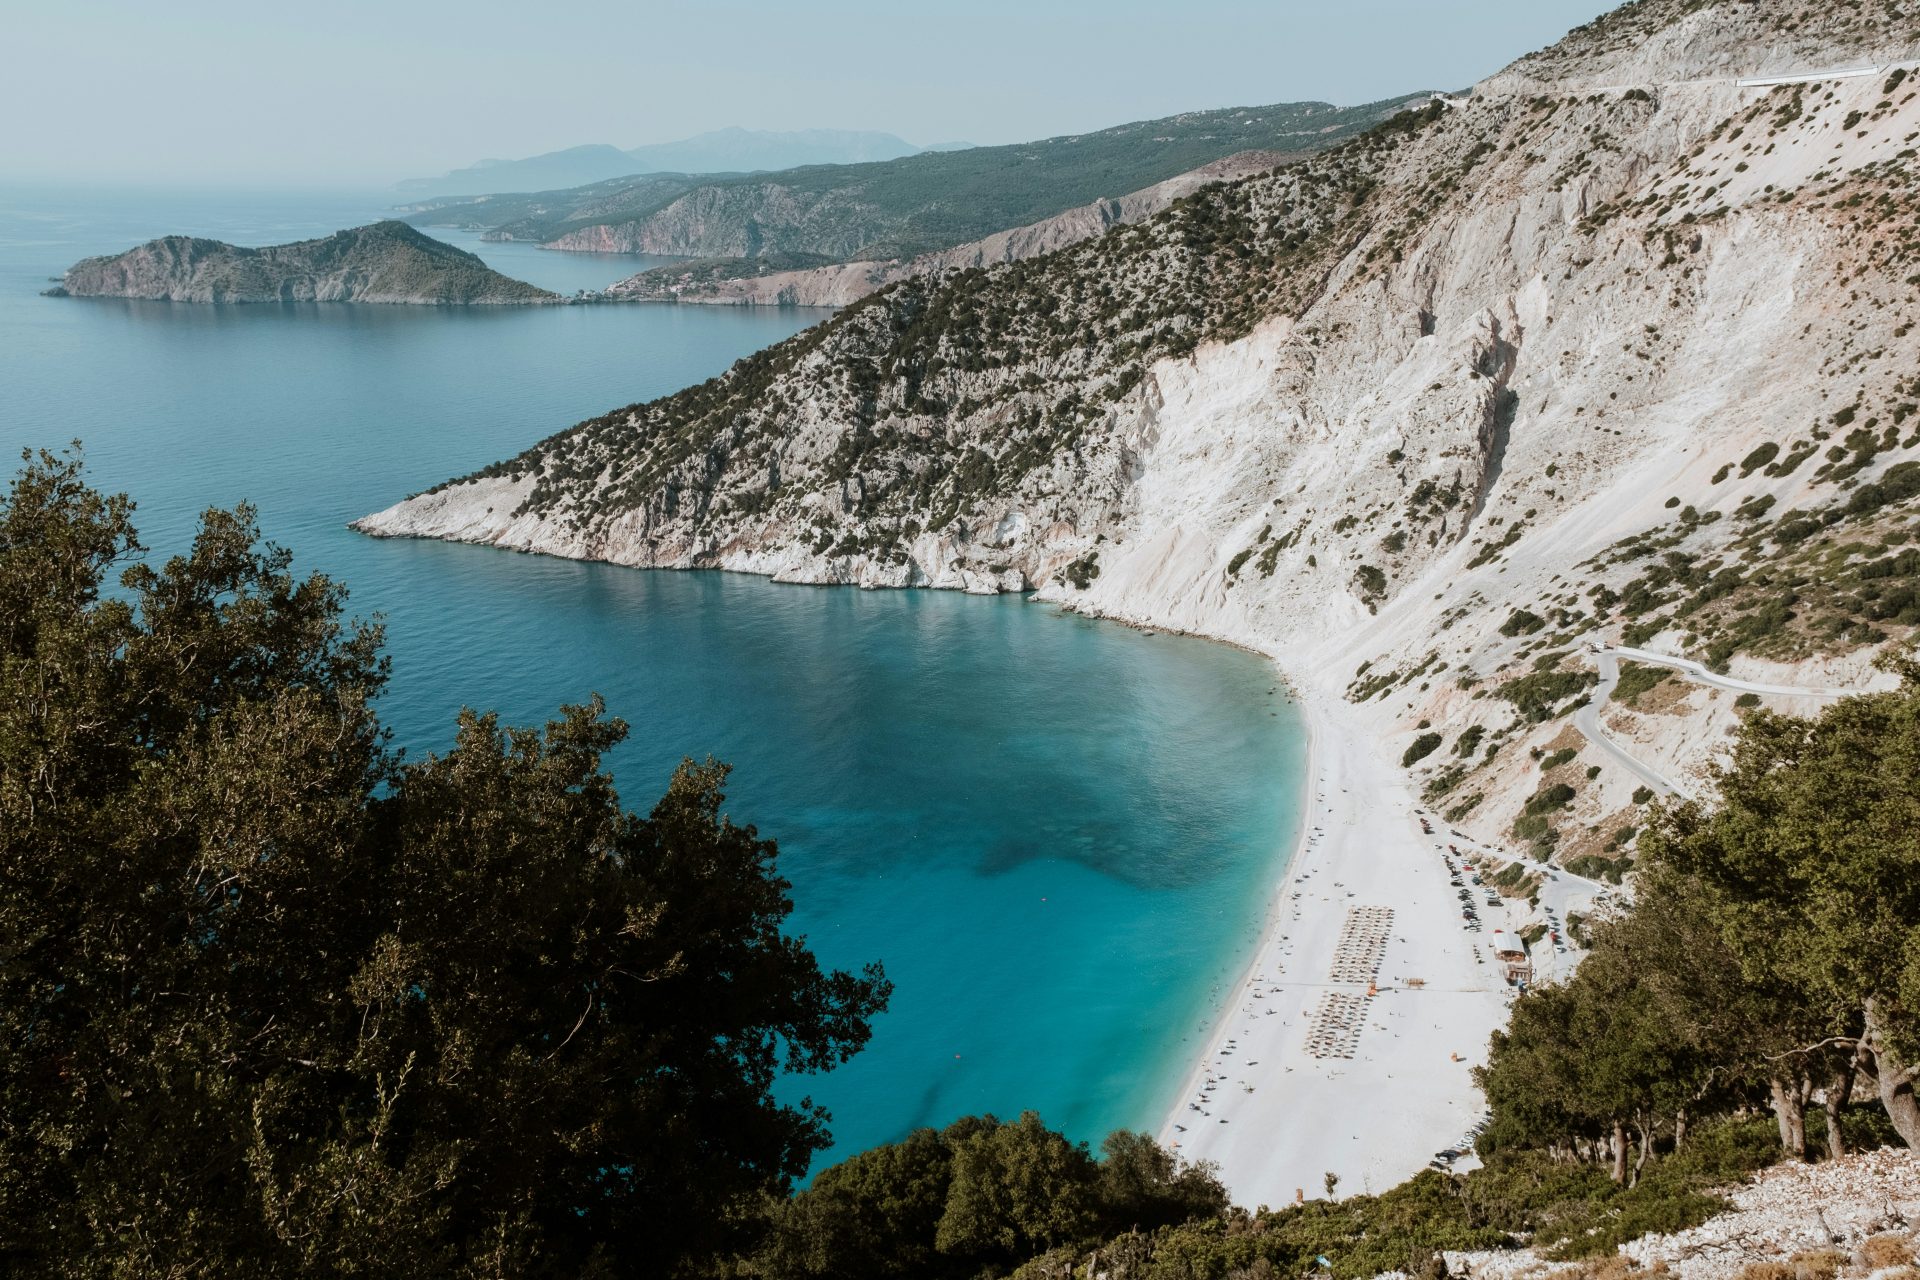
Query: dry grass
1616,1267
1890,1250
1668,698
1817,1264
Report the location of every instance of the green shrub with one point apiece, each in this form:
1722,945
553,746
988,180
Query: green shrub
1422,747
1760,457
1637,678
1531,826
1901,481
1541,695
1548,799
1521,622
1674,1194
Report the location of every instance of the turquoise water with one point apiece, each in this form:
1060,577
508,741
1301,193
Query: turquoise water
1058,834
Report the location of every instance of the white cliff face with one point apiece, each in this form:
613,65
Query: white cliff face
1641,44
1540,322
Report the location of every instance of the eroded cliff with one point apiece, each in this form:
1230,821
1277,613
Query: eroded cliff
1613,344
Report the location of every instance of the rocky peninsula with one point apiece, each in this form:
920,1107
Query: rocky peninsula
385,262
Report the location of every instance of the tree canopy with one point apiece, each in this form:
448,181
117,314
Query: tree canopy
1809,869
980,1196
1772,951
275,1000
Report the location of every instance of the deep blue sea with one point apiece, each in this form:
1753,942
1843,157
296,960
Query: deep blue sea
1059,835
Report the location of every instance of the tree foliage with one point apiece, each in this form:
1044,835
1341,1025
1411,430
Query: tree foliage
1809,869
1770,955
981,1196
274,1001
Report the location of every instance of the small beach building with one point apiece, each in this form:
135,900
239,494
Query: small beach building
1519,969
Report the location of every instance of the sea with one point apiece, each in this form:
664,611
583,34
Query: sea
1058,835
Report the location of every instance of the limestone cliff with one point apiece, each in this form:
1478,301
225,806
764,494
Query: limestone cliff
1614,342
384,262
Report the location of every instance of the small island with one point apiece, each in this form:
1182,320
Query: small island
386,262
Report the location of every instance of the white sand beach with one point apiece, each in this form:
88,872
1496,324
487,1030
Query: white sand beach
1275,1117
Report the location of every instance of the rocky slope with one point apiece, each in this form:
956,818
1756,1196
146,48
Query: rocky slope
384,262
734,282
1612,343
1846,1219
743,221
911,205
533,215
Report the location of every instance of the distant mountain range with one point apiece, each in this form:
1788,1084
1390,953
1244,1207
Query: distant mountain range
720,151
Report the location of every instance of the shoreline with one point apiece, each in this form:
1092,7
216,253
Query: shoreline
1276,1141
1273,1117
1294,850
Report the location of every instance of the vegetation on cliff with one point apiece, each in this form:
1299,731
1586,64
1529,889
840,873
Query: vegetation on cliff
898,208
967,346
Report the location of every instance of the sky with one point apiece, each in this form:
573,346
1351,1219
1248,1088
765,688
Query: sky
364,93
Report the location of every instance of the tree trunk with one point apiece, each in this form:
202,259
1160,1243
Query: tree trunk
1646,1149
1619,1151
1790,1111
1895,1080
1679,1128
1839,1093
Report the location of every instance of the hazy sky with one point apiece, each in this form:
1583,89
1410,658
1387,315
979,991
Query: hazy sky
369,91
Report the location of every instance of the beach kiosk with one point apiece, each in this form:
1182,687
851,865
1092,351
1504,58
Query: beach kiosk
1518,968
